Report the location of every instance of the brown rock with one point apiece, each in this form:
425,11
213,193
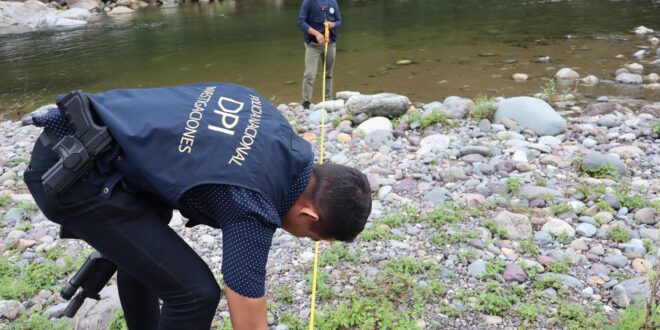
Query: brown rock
597,109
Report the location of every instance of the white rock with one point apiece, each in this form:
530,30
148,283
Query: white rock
590,80
375,124
567,74
556,226
642,30
520,77
653,77
435,143
519,156
76,14
636,68
120,10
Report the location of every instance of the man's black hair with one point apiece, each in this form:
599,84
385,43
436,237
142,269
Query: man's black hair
342,196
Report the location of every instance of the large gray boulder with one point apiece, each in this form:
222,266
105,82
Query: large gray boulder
531,113
383,104
594,160
457,107
629,78
88,5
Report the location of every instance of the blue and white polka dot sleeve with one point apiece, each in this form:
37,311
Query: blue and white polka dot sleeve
245,247
55,122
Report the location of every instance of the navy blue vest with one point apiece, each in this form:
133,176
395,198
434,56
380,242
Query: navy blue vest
175,138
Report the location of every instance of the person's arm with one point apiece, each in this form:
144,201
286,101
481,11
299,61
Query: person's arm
246,313
338,21
302,17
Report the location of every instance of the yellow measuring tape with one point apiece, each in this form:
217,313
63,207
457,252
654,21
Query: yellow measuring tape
326,34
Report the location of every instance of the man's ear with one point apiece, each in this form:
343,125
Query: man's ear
310,213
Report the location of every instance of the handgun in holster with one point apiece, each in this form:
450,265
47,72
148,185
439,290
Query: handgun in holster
91,277
78,152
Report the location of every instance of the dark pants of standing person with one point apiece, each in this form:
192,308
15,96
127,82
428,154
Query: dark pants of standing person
131,229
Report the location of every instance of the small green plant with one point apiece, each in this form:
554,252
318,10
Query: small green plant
34,320
4,200
604,206
445,214
494,268
117,322
483,108
336,252
529,247
495,229
424,121
618,234
606,171
541,182
24,226
323,291
574,316
562,266
549,91
549,282
530,312
656,127
561,208
283,293
28,206
561,237
467,254
513,184
293,322
495,301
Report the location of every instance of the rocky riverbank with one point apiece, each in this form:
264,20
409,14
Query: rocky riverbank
538,212
21,16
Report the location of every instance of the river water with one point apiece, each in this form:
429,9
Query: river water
457,47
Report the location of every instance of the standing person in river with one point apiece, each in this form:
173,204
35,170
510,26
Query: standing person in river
223,156
314,16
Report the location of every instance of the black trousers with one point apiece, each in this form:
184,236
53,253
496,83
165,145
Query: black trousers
131,229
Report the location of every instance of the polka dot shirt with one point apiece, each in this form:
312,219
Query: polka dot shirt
247,219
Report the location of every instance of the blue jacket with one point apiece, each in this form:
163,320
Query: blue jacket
314,12
176,138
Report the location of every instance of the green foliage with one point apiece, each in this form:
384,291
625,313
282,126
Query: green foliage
495,229
591,193
656,127
541,182
561,208
117,322
604,206
529,247
467,254
549,91
24,226
574,316
455,237
323,291
630,201
376,313
336,252
549,282
223,324
21,285
495,301
284,294
28,206
483,108
4,200
445,214
634,317
606,171
562,266
530,312
513,184
424,121
494,268
293,322
34,321
618,234
561,237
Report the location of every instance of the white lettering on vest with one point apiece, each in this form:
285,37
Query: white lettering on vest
249,134
188,137
228,111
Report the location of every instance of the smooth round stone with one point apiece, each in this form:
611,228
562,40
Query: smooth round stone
586,229
343,138
589,142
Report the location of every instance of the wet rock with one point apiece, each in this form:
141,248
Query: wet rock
565,279
517,226
616,260
120,10
599,108
586,229
532,113
384,104
595,160
520,77
477,268
567,74
375,124
590,80
457,107
557,227
646,216
514,273
629,78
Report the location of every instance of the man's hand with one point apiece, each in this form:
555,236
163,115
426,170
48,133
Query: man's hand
246,313
331,25
319,38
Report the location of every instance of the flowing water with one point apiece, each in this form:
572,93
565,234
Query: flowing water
457,47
